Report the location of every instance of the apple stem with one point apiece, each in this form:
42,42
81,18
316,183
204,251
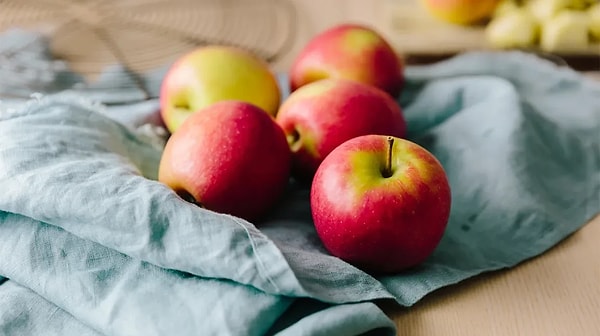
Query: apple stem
388,164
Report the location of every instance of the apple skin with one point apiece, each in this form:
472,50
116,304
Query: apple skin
231,157
211,74
380,224
322,115
462,12
349,51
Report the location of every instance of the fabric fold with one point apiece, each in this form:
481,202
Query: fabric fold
101,178
119,295
359,319
30,314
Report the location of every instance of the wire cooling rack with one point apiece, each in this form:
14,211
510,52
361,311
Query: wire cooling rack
140,35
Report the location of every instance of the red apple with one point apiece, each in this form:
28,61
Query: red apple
215,73
231,157
380,203
322,115
349,51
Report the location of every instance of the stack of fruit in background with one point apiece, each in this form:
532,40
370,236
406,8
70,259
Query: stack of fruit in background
557,26
378,201
561,26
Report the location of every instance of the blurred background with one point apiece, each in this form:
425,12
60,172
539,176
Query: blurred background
146,34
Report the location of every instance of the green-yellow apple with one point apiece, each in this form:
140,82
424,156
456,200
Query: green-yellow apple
322,115
215,73
230,157
461,11
380,203
349,51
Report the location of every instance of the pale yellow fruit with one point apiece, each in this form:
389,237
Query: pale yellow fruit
581,4
565,32
517,29
505,7
594,20
543,10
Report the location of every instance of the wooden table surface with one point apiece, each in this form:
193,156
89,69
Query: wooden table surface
556,293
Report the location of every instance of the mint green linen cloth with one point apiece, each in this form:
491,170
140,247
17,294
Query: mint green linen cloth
92,244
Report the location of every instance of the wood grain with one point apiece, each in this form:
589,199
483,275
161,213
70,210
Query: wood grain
554,294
